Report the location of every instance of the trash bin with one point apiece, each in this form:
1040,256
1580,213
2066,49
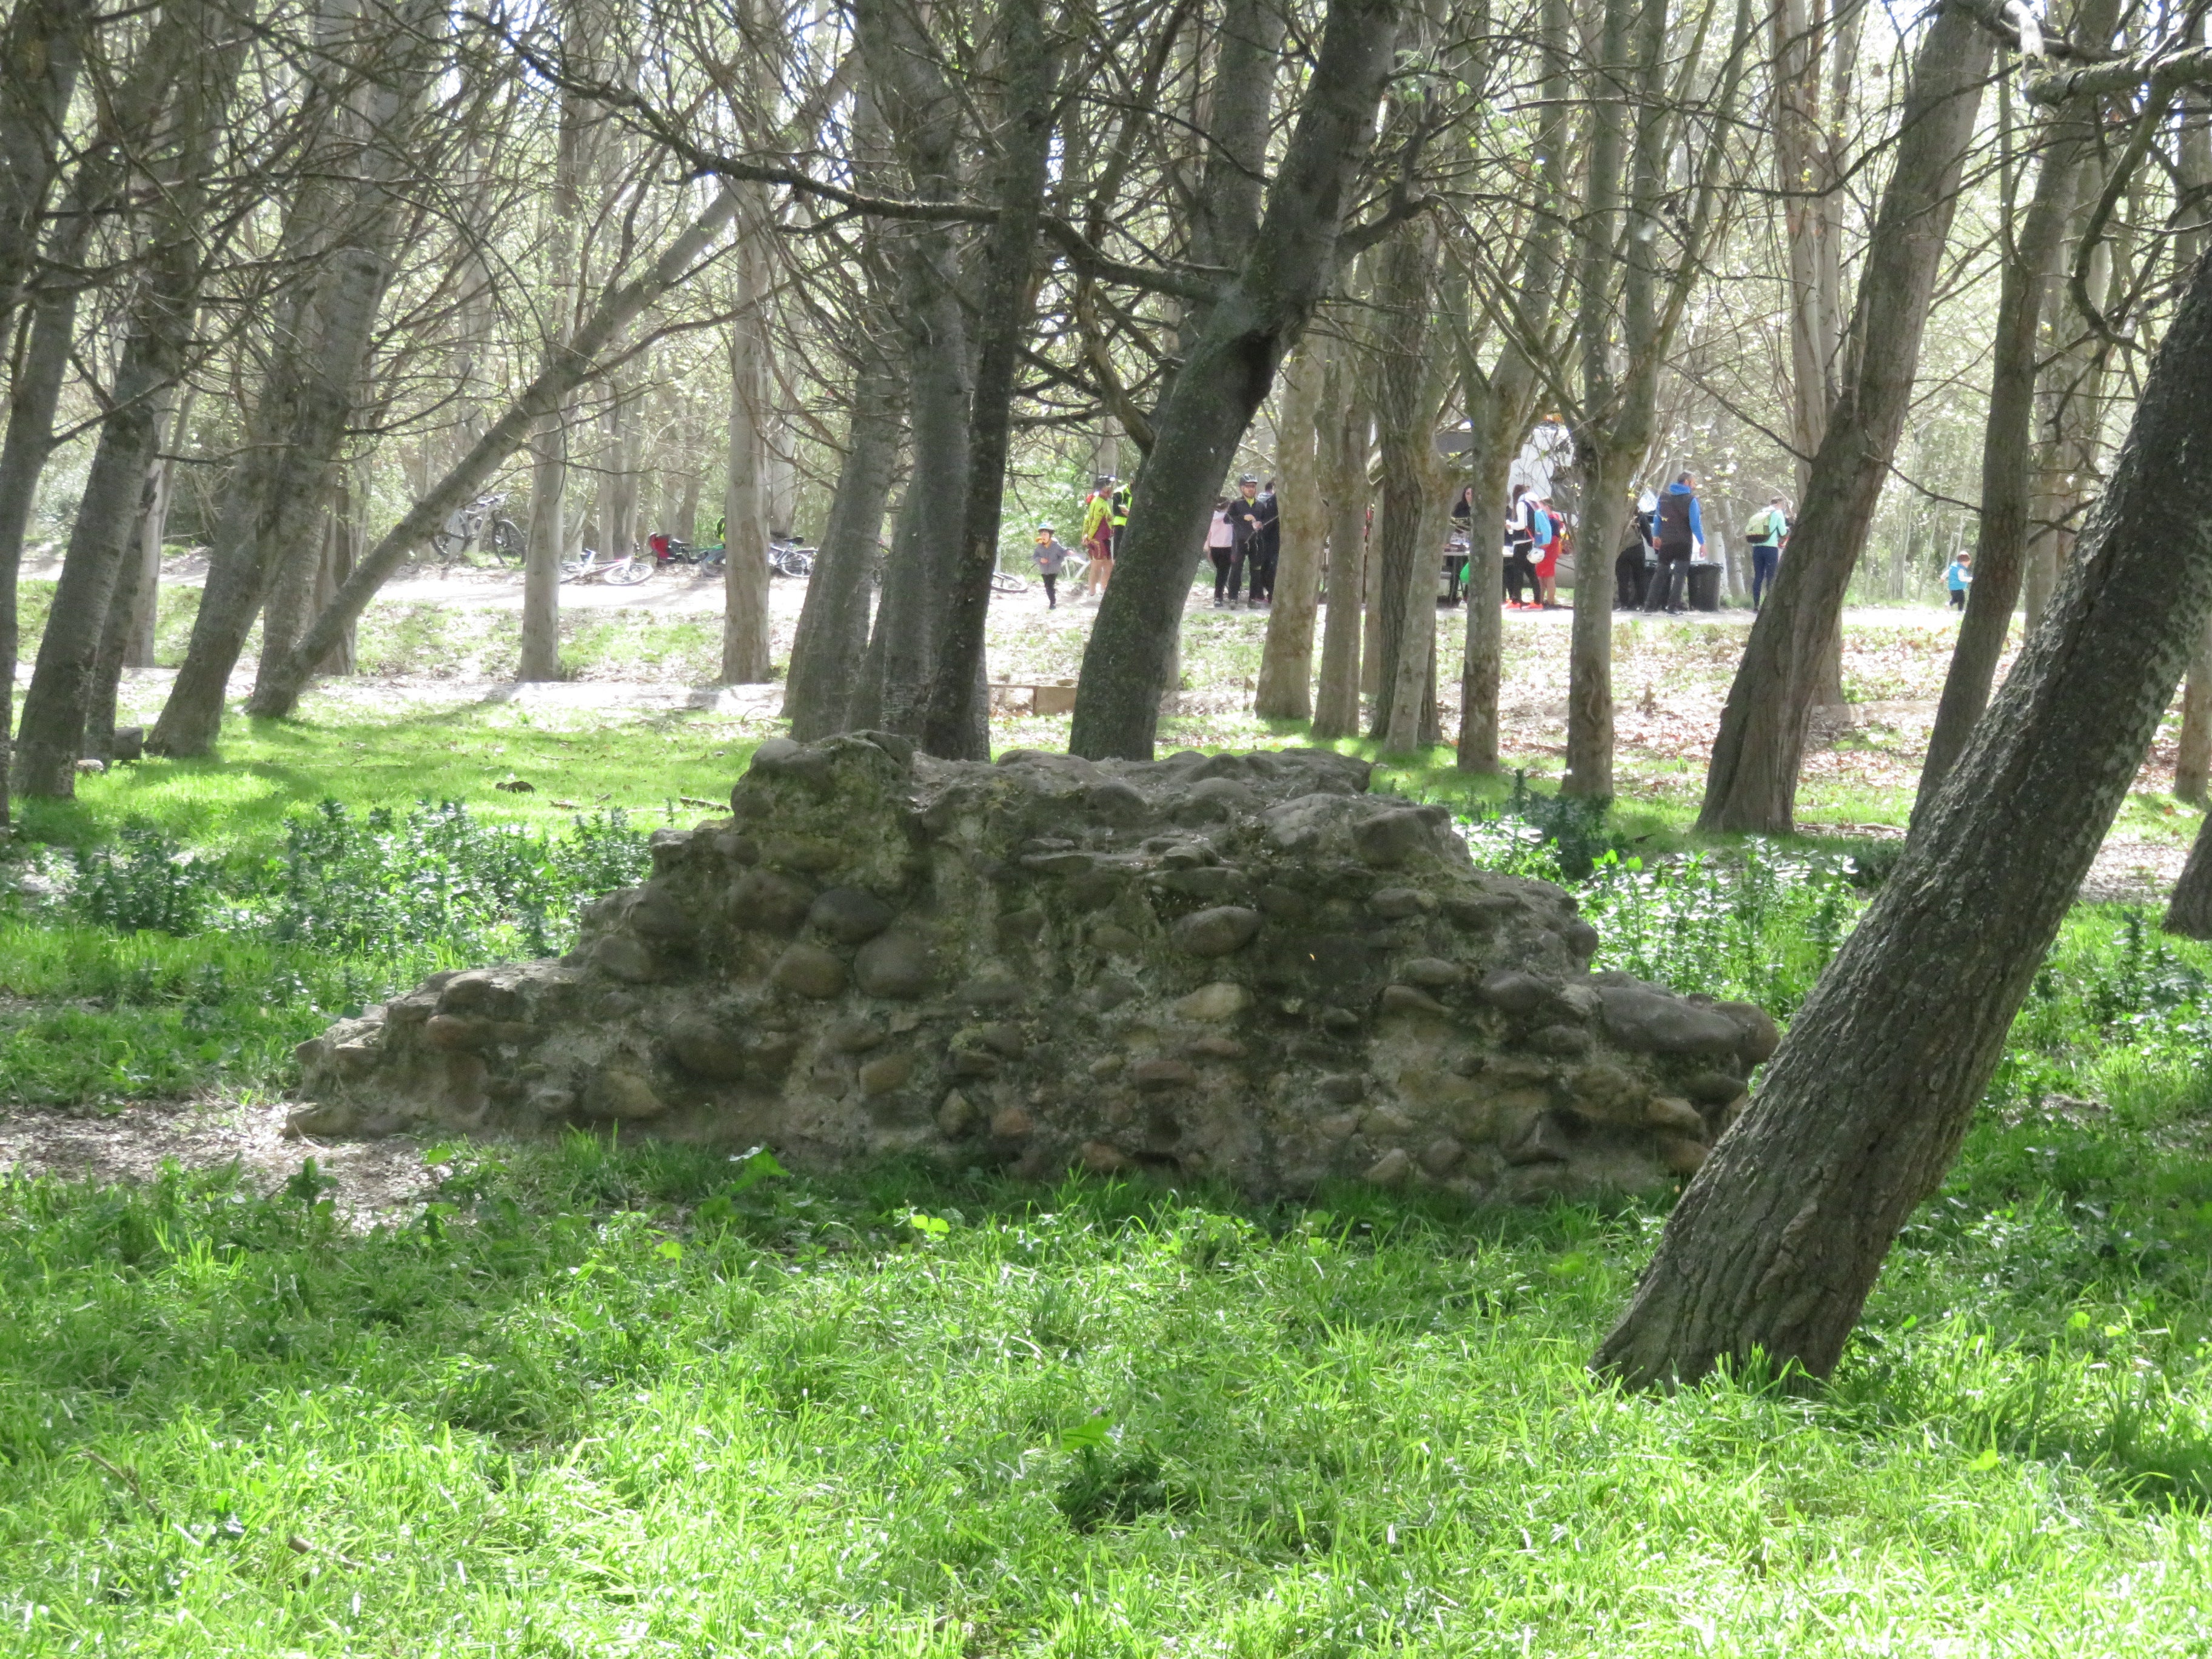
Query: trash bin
1705,585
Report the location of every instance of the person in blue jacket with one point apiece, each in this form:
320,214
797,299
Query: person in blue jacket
1681,536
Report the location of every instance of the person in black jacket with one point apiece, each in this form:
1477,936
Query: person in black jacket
1632,569
1252,517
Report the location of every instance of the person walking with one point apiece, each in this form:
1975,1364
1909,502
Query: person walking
1681,537
1268,545
1220,539
1051,558
1545,555
1768,530
1098,535
1245,521
1958,578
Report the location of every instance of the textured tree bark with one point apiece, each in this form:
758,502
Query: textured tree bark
1344,445
745,637
2192,763
123,605
2007,439
34,390
1225,375
41,50
546,545
1408,386
58,702
1752,782
1285,692
956,726
2189,911
153,531
1773,1249
923,115
1811,166
827,652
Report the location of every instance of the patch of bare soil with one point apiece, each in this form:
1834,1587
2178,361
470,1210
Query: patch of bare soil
367,1180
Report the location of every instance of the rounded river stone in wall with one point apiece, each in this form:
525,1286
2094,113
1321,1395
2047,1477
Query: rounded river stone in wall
1215,932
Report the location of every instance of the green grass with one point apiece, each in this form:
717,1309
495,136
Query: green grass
263,771
593,1402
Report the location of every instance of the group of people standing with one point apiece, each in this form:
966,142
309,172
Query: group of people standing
1105,516
1535,538
1667,535
1244,541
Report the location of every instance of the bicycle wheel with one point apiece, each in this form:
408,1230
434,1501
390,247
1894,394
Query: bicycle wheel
628,573
1002,582
506,543
581,570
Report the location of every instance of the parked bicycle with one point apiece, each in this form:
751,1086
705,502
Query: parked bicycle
626,571
790,558
481,524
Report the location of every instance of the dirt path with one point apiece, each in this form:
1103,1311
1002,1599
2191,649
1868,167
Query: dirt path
367,1180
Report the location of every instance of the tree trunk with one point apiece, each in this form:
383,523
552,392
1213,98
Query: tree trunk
1343,445
153,530
1225,375
58,702
1285,692
2189,912
1752,783
272,500
956,726
545,548
832,641
41,52
278,691
124,605
745,631
1413,487
1774,1247
2192,764
341,544
2008,438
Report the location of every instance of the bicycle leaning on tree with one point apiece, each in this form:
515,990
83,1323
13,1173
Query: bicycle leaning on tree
483,524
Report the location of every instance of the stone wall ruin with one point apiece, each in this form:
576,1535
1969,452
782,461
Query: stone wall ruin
1237,967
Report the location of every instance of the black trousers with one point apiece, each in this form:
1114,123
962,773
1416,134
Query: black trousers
1631,578
1244,558
1670,586
1051,599
1220,557
1520,573
1263,573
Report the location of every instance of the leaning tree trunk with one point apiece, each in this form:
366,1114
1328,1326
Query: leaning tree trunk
1752,782
277,692
123,605
2009,436
832,640
1774,1247
1285,692
1258,315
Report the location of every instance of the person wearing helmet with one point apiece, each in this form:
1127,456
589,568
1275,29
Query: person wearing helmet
1247,523
1051,558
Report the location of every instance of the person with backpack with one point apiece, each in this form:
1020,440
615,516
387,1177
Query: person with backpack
1769,529
1544,554
1681,537
1528,526
1098,534
1051,559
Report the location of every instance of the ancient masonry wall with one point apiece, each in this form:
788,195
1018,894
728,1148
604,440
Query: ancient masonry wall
1241,967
